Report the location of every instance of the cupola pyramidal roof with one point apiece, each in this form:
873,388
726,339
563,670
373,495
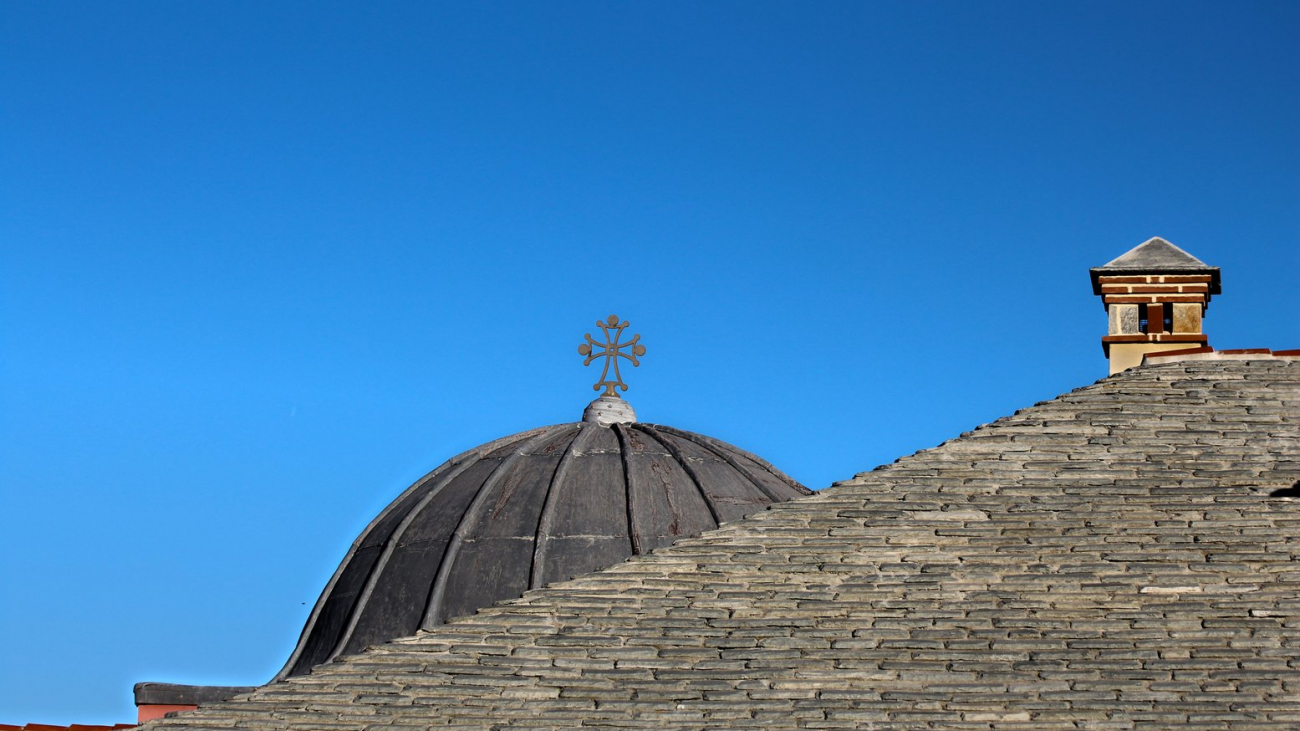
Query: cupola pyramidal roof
521,512
1156,255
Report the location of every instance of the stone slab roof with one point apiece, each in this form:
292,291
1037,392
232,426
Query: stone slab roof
1154,254
1110,559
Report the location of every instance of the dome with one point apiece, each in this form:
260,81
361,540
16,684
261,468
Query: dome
525,511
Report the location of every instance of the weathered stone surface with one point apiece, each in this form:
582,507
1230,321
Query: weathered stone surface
1124,320
1187,317
1109,559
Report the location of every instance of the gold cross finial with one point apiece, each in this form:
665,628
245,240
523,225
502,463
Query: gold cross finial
611,351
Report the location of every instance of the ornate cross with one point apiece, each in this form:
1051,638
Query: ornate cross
611,350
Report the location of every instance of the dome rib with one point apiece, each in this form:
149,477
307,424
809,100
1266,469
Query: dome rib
438,476
546,521
687,466
437,598
395,541
432,482
623,454
666,504
731,460
713,446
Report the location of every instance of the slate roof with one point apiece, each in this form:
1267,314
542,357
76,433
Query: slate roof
1156,255
1110,559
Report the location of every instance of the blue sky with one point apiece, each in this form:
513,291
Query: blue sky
263,265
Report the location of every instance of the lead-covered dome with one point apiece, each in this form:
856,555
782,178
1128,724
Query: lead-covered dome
524,511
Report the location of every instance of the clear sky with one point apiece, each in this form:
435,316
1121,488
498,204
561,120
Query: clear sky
262,265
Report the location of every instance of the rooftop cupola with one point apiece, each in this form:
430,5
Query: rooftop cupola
1155,295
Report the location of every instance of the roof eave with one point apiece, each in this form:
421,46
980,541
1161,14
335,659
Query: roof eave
1097,272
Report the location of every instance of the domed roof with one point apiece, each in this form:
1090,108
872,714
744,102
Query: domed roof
524,511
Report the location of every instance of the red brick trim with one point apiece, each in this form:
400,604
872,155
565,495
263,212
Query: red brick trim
154,711
1184,351
1153,288
1157,338
1136,299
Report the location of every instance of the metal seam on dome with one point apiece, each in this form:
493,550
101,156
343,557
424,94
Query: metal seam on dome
716,446
676,453
471,514
395,537
325,594
729,459
546,517
310,625
627,488
768,467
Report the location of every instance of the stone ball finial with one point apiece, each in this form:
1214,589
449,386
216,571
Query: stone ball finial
608,410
